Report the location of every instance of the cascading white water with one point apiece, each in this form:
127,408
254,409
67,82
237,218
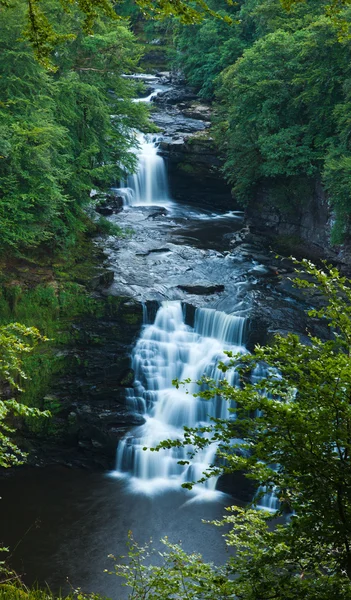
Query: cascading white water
169,349
149,185
148,98
267,498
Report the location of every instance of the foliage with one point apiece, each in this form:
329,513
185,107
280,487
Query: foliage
280,117
280,77
205,49
12,589
290,433
180,575
57,136
40,26
16,340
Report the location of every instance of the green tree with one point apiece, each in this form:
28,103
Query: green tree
58,139
293,436
40,27
206,48
16,341
280,97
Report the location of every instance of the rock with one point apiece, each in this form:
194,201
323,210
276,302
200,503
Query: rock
96,444
175,96
198,111
192,152
127,378
104,210
115,201
201,289
158,212
153,250
102,281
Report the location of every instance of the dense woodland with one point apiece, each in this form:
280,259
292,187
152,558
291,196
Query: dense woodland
278,77
58,139
280,81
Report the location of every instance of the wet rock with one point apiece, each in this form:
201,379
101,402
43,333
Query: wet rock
175,96
202,289
115,201
174,123
109,204
127,378
237,485
159,212
104,210
153,251
103,280
126,418
197,111
194,154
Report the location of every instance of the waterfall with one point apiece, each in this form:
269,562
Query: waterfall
267,497
149,185
169,349
148,98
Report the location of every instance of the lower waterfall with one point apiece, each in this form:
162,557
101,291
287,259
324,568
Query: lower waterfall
170,349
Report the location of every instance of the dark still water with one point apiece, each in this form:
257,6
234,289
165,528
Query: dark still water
61,524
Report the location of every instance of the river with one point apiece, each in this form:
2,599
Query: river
61,523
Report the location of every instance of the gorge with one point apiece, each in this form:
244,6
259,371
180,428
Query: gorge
201,294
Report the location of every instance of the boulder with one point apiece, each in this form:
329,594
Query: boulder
175,96
202,289
197,111
106,211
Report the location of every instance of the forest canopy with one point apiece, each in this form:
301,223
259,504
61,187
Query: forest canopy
279,79
57,137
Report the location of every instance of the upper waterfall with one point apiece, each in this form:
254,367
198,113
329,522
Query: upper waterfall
149,185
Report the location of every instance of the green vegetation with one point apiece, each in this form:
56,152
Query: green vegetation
15,342
280,81
14,590
58,139
41,24
289,432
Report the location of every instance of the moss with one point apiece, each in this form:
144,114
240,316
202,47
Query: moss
49,295
194,170
131,318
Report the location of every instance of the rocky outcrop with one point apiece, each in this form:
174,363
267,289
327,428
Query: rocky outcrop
196,151
176,95
202,288
302,229
107,204
308,220
90,410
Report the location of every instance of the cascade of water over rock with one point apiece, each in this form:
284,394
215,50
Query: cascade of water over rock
170,349
149,185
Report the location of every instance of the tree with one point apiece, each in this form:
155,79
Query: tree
294,432
279,100
41,26
16,340
57,136
206,48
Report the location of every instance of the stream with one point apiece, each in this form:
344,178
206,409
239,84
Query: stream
197,293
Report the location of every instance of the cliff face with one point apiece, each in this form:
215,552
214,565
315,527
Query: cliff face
309,222
304,230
